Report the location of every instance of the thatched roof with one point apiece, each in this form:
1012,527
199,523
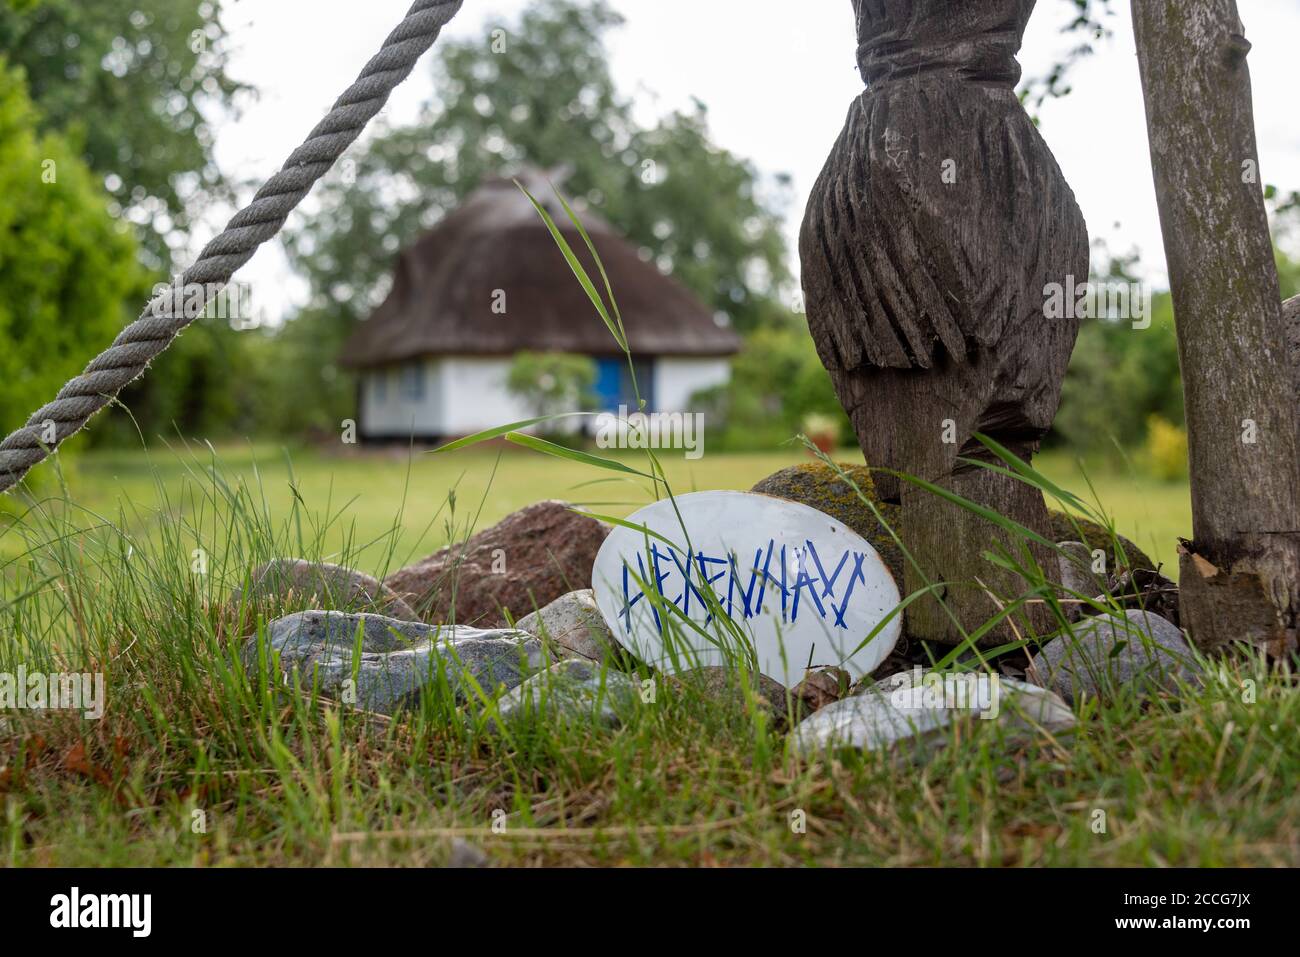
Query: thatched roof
444,287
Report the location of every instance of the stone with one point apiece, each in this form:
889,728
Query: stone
788,586
280,585
1076,569
527,560
463,854
1077,579
571,690
817,485
574,625
1073,528
822,686
917,708
1139,588
1099,655
723,684
400,660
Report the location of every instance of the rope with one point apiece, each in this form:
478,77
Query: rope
146,338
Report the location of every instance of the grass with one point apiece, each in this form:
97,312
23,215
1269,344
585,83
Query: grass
200,761
197,762
368,488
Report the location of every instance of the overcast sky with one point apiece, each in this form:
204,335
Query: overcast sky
777,79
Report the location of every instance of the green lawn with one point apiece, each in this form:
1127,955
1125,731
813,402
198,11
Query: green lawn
198,762
367,495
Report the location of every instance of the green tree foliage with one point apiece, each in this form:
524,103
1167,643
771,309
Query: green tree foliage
1284,216
66,267
552,382
286,365
134,85
1087,17
1166,450
1121,380
777,382
1118,378
131,88
206,385
538,91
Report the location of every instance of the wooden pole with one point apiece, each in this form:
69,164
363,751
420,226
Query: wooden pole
1240,577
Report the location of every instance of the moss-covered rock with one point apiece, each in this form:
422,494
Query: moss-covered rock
817,485
1096,536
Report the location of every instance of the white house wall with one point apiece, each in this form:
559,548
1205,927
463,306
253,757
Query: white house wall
389,412
466,394
677,379
476,395
460,395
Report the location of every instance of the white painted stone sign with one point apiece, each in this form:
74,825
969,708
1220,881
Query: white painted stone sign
790,582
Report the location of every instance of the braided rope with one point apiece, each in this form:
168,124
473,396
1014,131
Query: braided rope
139,343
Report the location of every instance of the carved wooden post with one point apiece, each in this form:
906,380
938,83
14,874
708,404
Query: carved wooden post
930,241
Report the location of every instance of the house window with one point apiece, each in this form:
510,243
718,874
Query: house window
379,386
413,382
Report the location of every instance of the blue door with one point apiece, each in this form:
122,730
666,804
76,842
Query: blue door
614,383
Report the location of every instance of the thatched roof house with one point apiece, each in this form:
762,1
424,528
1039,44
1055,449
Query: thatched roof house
488,282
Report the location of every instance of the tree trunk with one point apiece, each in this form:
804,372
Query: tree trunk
1240,577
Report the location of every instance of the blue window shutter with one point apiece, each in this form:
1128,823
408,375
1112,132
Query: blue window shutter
609,376
614,383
